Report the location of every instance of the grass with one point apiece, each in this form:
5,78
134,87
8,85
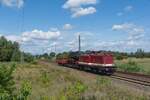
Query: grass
143,65
52,82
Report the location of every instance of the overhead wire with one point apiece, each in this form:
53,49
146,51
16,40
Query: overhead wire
21,30
20,27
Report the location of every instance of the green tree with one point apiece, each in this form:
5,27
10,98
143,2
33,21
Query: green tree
16,52
9,50
140,53
25,91
28,57
6,81
52,54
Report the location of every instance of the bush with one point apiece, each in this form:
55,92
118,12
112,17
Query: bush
102,81
131,66
6,80
35,62
25,91
45,79
28,57
119,57
147,72
7,85
74,92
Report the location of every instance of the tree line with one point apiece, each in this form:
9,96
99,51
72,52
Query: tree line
138,54
10,51
117,55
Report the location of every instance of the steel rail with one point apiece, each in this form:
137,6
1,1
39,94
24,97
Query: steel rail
133,77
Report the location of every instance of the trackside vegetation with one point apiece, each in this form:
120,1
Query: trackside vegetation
52,82
7,85
137,65
130,66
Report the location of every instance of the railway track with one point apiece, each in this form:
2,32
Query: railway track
133,78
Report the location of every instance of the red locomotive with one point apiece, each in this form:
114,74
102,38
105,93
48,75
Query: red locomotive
102,62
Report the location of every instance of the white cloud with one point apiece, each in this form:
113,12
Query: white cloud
77,7
36,41
120,14
54,44
127,9
135,33
78,3
131,42
83,11
119,45
14,38
35,35
67,27
135,37
12,3
129,28
41,35
125,26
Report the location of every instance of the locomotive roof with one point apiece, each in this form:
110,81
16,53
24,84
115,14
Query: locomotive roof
98,54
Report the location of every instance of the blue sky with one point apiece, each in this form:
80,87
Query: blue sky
40,25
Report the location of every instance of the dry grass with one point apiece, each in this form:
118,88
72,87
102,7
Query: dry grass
52,82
